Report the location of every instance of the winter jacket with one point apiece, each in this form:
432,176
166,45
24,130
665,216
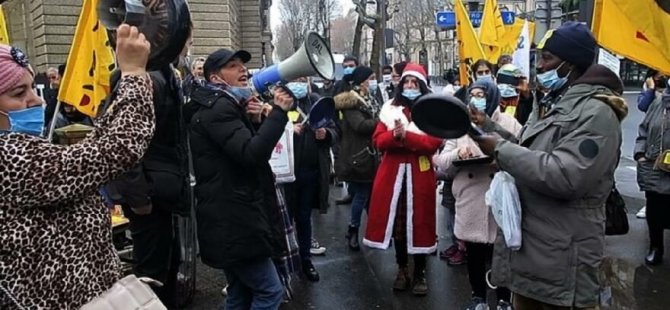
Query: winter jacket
564,171
405,163
305,145
162,177
474,221
648,145
236,197
359,120
645,98
56,248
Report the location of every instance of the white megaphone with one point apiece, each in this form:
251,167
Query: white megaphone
312,58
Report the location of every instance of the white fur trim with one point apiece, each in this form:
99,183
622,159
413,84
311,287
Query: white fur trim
393,209
415,74
390,113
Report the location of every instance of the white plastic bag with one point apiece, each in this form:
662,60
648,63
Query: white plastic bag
282,161
503,199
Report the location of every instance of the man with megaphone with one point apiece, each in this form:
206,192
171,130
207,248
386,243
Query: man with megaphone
237,214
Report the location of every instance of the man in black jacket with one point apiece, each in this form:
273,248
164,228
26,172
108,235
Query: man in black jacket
157,187
232,142
312,166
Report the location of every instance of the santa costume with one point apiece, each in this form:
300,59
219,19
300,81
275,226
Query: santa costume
402,204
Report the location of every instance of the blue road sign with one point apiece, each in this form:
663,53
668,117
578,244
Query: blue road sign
476,18
508,17
446,19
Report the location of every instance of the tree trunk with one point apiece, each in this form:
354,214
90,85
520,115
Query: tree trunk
358,32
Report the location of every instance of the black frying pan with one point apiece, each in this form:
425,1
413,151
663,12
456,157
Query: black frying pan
443,116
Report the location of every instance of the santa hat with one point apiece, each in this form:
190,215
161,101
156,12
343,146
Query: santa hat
416,71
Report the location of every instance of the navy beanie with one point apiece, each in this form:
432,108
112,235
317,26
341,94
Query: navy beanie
572,42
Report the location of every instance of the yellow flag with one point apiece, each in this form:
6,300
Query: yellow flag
469,49
4,37
492,31
85,83
512,34
636,29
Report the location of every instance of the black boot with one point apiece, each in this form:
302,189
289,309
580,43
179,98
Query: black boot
654,257
309,271
352,238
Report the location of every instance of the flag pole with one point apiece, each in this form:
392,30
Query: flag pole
52,125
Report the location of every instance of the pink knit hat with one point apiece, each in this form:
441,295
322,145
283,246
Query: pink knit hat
13,63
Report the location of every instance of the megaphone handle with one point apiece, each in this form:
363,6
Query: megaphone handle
287,90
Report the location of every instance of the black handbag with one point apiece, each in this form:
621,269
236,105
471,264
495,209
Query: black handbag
616,222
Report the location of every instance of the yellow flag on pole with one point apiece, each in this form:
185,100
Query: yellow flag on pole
85,83
513,33
469,49
4,37
636,29
492,31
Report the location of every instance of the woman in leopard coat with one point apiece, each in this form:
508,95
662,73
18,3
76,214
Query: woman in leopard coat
56,250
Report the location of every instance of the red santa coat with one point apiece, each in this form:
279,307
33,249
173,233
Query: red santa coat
409,162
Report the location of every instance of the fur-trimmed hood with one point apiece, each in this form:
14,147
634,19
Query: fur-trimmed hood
618,104
347,100
601,75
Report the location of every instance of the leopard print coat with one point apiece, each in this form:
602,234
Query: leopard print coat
56,248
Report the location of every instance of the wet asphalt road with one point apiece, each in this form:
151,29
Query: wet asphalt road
362,280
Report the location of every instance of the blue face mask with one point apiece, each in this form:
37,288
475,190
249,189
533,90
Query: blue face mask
478,103
411,94
486,77
29,121
348,70
550,79
242,94
299,89
373,85
507,91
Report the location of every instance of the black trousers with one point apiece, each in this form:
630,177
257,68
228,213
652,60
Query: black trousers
479,256
658,218
400,238
154,250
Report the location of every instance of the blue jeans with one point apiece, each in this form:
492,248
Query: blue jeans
308,192
360,193
254,286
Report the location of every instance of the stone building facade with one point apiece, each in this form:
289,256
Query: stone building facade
44,28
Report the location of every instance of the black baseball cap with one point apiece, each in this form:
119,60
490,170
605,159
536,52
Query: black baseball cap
220,57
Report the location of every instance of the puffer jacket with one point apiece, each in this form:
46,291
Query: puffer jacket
359,120
564,170
649,145
237,203
473,222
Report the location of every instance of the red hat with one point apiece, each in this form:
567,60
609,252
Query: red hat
417,71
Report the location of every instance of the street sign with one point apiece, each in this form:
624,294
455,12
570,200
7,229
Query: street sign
446,19
476,18
508,17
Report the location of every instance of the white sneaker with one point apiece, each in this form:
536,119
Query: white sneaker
316,248
224,291
642,214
